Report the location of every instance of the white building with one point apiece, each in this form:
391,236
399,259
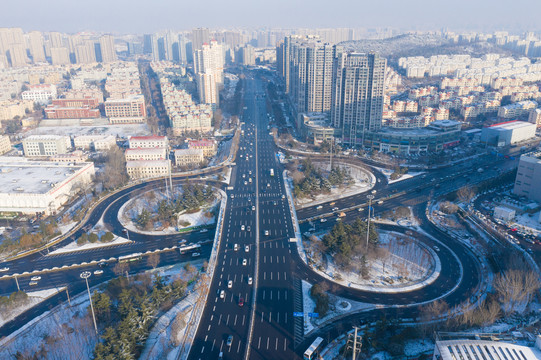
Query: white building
144,169
508,133
42,94
105,143
187,157
148,142
32,187
46,145
94,142
158,153
5,144
503,213
515,110
535,117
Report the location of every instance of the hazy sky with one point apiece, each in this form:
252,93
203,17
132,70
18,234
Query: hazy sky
143,16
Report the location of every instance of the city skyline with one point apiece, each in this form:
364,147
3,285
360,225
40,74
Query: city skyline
143,17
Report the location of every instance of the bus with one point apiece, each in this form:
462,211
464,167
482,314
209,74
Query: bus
271,172
184,249
130,258
313,351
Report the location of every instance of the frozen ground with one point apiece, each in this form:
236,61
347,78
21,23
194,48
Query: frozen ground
388,172
401,265
34,298
529,223
362,182
149,200
71,247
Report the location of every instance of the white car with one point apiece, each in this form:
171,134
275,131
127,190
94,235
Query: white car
244,262
236,247
334,208
98,272
242,227
243,176
323,220
35,278
33,283
319,207
222,294
246,248
230,284
253,208
436,248
360,209
4,269
250,280
245,183
266,232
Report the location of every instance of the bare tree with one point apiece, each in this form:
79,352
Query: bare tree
153,260
466,193
121,268
515,289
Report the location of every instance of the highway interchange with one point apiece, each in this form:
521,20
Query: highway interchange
253,317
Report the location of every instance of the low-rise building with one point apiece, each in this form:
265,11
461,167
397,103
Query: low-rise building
83,112
188,157
42,94
32,187
94,142
508,133
46,145
516,110
208,146
147,142
126,111
481,349
316,127
105,143
5,144
503,213
73,157
11,108
146,154
144,169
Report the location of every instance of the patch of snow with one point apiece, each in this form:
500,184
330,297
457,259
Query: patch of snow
34,298
388,173
418,347
72,247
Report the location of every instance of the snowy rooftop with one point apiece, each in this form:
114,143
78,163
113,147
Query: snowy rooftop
479,349
33,177
511,125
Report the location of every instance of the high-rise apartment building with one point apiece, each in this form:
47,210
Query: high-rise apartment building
209,70
60,56
309,69
36,45
107,48
358,95
200,36
85,52
17,55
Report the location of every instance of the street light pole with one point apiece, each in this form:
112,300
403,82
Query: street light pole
369,197
85,275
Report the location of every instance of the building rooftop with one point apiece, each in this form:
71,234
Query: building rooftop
140,163
181,152
44,137
150,137
511,125
33,177
480,349
156,150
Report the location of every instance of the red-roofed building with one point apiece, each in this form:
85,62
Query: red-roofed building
208,146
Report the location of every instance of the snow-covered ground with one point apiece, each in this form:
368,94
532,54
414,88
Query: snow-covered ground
58,332
149,201
403,264
34,298
337,306
388,173
529,223
72,247
363,181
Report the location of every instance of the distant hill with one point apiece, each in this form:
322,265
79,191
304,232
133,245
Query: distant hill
421,45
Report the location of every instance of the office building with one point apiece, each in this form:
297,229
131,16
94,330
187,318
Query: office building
45,145
528,175
42,94
358,95
156,153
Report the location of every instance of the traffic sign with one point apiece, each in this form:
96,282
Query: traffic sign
298,314
313,315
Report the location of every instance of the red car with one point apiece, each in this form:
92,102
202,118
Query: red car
241,302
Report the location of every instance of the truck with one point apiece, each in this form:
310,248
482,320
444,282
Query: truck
271,172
